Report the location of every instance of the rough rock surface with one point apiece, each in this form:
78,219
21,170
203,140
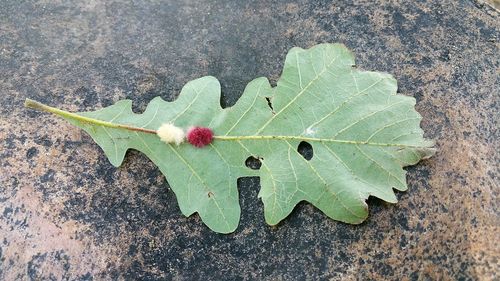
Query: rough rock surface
67,214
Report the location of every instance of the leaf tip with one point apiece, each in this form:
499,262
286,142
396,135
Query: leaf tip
428,152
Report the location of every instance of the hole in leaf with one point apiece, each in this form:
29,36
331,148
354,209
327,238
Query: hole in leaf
306,150
269,103
253,163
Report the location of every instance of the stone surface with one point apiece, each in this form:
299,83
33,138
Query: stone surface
67,214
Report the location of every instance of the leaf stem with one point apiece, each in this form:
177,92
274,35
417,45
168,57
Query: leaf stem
29,103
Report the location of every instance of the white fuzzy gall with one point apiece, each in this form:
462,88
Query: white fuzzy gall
170,133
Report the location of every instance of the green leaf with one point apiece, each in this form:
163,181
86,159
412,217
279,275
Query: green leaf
362,134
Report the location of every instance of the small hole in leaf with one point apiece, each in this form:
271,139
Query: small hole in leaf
306,150
253,163
269,103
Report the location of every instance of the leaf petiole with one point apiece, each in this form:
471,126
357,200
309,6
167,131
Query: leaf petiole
29,103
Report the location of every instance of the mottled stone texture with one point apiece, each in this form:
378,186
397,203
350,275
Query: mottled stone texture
67,214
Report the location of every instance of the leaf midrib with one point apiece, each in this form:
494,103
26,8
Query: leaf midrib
97,122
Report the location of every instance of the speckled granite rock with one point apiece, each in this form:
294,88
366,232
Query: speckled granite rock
66,213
